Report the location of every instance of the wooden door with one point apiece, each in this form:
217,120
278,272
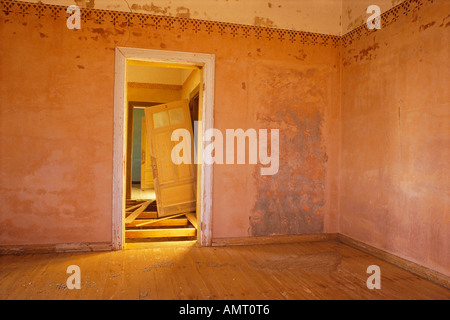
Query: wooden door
175,184
146,161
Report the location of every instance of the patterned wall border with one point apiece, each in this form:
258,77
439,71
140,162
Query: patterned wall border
387,18
130,19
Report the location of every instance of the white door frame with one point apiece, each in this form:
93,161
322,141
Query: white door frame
204,196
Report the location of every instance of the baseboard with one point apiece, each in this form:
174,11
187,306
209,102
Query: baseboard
55,248
276,239
405,264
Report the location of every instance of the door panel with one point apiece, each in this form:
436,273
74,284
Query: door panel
163,148
146,161
175,185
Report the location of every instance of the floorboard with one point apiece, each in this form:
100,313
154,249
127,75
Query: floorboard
307,270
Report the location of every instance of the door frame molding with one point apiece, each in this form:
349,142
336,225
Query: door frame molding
204,192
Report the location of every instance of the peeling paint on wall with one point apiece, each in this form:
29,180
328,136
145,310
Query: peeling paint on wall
183,12
291,201
263,22
150,8
367,53
90,4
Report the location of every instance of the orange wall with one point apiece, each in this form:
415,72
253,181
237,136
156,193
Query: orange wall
365,156
56,122
395,137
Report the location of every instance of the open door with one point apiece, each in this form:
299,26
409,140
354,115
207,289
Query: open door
175,185
146,161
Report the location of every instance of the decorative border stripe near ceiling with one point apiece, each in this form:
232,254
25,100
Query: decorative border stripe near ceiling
387,18
132,19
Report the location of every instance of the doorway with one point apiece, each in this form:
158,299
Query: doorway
151,83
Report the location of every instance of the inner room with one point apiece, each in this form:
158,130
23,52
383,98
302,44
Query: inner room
160,197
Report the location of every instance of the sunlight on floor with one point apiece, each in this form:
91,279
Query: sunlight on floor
138,194
160,244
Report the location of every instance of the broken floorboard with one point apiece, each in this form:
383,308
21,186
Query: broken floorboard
192,217
174,222
133,207
145,226
149,222
136,212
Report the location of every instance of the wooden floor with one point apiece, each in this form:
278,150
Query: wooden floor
314,270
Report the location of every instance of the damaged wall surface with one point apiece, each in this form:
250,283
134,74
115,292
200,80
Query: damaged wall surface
292,201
